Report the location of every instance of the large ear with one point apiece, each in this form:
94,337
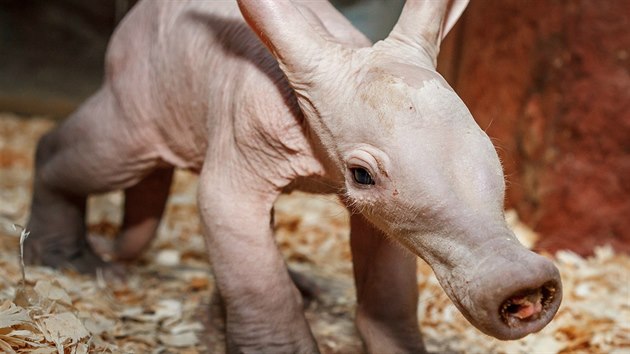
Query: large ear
285,31
426,22
455,11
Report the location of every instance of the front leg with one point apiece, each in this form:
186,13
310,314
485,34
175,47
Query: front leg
263,308
387,291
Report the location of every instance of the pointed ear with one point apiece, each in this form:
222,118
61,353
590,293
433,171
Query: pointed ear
425,23
285,31
454,12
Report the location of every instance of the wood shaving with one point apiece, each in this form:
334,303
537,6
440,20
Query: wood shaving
164,304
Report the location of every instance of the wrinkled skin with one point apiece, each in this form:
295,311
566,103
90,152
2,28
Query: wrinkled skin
281,96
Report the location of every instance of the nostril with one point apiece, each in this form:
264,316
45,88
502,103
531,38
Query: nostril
527,305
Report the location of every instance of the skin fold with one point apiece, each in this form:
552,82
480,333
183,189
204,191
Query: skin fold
264,96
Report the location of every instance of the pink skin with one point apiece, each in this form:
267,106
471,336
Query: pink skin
189,85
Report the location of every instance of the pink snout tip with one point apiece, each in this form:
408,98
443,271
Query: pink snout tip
529,308
513,297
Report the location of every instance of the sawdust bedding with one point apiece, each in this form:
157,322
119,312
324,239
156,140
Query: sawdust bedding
163,306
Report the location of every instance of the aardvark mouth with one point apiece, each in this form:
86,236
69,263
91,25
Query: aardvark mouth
528,305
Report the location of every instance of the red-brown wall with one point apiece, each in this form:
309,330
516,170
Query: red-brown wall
549,81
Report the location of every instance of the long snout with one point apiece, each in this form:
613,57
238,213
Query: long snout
506,290
511,292
516,296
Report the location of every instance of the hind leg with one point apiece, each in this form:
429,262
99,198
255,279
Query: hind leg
95,150
55,222
144,205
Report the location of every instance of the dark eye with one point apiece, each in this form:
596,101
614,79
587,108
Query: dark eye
362,176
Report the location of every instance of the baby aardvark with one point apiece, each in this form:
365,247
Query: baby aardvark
286,95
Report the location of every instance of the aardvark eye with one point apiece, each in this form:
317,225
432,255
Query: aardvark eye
362,176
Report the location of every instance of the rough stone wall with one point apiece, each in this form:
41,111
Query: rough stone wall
549,80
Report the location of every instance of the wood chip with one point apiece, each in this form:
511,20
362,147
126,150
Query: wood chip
11,315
